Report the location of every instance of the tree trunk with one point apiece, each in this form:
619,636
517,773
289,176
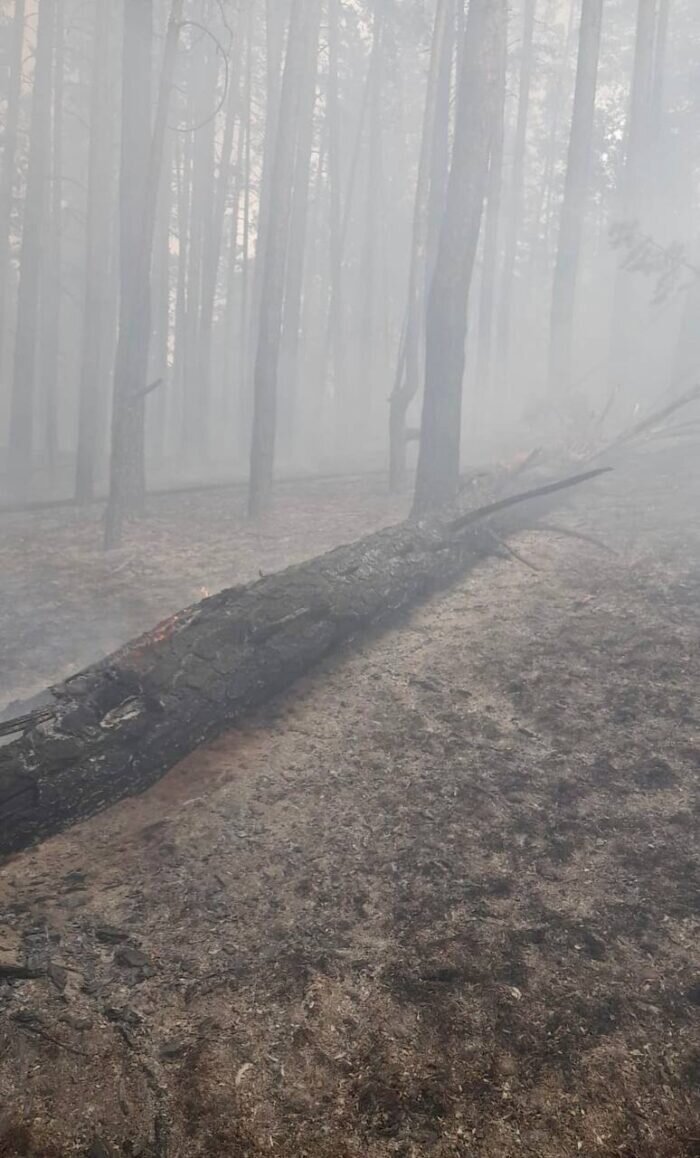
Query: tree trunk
194,433
485,347
127,483
242,432
159,359
51,300
214,235
276,24
362,400
515,198
93,360
183,196
407,379
141,165
575,199
634,183
440,151
334,358
304,27
539,261
477,108
23,401
338,308
298,231
8,173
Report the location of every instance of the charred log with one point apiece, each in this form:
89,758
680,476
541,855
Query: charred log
119,725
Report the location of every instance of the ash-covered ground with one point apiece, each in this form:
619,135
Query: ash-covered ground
443,899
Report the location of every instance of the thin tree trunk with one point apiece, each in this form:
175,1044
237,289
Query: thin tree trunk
184,195
23,402
407,380
51,304
575,199
275,40
485,346
157,417
334,353
336,329
477,108
363,396
193,435
304,27
93,360
131,363
440,153
214,235
245,243
543,214
515,199
8,172
658,133
634,180
141,165
634,183
298,231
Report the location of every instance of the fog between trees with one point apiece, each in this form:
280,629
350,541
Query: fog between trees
241,239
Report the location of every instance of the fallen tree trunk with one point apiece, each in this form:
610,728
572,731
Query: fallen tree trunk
116,727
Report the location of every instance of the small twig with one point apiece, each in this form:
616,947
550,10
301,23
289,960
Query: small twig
511,551
146,390
569,534
54,1040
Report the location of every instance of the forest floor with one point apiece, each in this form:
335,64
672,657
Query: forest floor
442,899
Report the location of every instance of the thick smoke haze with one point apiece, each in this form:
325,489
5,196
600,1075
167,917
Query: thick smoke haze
349,578
219,223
